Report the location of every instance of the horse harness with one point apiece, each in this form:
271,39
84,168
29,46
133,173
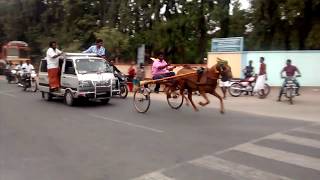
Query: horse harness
208,81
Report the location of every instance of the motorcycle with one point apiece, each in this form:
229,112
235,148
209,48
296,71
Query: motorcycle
12,76
290,88
239,86
123,88
29,81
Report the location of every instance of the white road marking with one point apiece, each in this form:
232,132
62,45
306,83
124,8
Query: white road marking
235,170
279,155
128,124
311,131
154,176
290,158
295,140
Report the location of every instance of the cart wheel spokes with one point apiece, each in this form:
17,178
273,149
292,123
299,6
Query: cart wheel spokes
174,98
141,99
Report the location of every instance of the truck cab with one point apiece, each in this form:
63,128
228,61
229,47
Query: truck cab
83,77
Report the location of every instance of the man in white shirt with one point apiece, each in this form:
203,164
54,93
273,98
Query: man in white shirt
27,67
53,55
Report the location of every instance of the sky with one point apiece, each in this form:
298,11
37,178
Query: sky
244,4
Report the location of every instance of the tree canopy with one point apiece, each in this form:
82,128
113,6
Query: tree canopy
182,29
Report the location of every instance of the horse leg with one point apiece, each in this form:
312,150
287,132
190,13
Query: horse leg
191,101
183,96
221,101
203,94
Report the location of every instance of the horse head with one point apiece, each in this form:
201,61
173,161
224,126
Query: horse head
220,69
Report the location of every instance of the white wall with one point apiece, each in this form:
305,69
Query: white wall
308,62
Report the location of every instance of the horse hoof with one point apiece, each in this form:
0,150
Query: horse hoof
196,110
201,104
221,112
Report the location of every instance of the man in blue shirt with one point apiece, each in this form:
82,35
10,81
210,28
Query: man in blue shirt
97,49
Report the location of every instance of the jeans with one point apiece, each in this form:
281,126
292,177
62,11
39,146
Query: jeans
284,84
160,76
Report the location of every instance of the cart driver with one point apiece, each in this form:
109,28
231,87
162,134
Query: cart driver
161,69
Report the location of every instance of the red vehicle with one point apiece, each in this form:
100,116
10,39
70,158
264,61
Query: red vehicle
14,51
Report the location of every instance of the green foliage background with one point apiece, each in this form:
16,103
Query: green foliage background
183,31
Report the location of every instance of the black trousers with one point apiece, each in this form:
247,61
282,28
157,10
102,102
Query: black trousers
160,76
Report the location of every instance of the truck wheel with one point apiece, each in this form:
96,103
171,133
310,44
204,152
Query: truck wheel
69,99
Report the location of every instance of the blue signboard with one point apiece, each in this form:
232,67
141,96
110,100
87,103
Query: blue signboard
233,44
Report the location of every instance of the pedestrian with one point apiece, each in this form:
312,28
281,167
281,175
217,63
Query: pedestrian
131,75
262,77
139,76
225,78
53,55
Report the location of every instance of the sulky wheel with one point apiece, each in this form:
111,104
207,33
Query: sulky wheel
174,98
141,99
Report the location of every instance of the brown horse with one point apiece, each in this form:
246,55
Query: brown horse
204,82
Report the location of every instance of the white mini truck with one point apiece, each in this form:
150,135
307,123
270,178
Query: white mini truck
83,77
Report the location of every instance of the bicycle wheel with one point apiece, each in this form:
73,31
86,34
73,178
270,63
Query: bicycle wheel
174,99
141,99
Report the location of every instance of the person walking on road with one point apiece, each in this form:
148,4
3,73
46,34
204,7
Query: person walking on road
225,79
131,75
260,83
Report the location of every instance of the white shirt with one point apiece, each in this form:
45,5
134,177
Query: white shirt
18,67
28,68
52,62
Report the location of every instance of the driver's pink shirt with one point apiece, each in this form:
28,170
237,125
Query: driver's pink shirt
155,67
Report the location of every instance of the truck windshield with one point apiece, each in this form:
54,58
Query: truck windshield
92,66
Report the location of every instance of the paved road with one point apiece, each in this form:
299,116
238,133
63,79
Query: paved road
42,140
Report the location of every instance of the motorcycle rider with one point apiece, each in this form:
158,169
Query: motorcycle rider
249,70
27,67
290,71
19,72
19,66
9,67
